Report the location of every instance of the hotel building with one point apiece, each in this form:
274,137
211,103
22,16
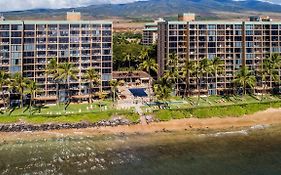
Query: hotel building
236,43
150,33
27,47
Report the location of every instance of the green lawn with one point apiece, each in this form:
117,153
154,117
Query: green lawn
214,111
213,106
74,113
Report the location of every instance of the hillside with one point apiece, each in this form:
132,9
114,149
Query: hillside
159,8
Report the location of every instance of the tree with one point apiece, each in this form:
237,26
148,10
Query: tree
162,89
4,81
275,63
66,72
217,67
31,89
188,69
201,69
52,69
148,65
173,72
114,84
245,79
208,69
101,95
20,83
94,78
144,54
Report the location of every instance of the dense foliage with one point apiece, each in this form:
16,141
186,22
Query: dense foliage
128,53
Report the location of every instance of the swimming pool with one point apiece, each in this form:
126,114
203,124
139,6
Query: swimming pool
138,92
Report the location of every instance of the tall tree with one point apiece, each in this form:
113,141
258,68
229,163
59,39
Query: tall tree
94,79
173,72
245,78
4,81
149,65
52,70
217,67
275,60
19,83
101,95
188,70
31,89
162,89
66,72
114,84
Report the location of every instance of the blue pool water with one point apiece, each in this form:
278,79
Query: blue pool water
138,92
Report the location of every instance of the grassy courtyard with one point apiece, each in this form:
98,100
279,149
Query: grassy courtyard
74,113
175,108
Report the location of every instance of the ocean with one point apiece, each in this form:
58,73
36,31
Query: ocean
244,151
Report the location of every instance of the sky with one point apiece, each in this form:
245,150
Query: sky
11,5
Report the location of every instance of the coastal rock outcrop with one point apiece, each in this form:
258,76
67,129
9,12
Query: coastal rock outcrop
22,127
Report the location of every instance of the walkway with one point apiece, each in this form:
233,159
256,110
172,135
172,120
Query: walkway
142,116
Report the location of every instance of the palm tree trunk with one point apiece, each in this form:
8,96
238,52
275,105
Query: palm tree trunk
90,92
30,103
3,97
149,92
244,88
57,92
263,90
199,90
207,87
21,99
216,77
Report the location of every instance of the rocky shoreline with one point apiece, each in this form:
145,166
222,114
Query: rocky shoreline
22,127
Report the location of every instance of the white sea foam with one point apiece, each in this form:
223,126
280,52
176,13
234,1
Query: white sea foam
241,132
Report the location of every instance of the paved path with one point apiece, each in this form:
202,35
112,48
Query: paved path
142,116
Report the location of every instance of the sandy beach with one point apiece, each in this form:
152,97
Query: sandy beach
268,117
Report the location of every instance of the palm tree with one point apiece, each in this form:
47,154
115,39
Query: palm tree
245,78
162,89
217,66
93,77
148,65
173,72
4,81
20,83
31,89
275,61
186,71
114,84
52,69
144,54
128,58
208,69
200,69
66,72
101,96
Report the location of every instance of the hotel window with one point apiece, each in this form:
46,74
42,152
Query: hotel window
249,44
5,27
249,26
16,27
4,34
274,26
29,27
249,32
212,32
211,27
238,26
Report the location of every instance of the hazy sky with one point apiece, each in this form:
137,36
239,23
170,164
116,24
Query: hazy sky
9,5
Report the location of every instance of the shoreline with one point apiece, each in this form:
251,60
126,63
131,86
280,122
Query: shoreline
267,117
